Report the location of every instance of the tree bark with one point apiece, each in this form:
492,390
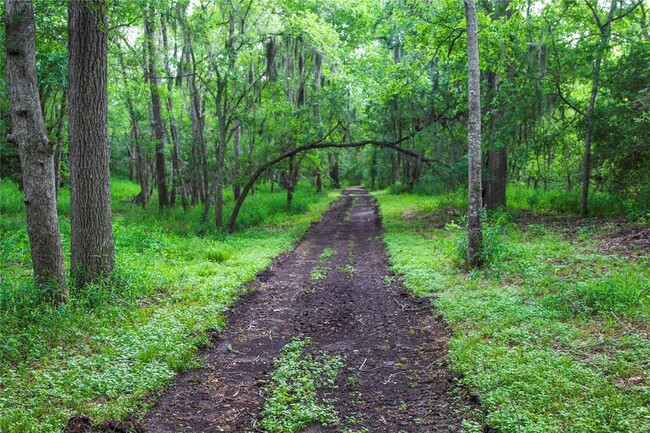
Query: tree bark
605,35
236,185
35,150
58,153
475,234
178,183
497,154
197,155
93,250
157,125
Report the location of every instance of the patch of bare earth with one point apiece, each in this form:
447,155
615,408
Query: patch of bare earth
396,377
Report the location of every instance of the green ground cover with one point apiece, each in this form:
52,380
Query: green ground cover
553,333
118,342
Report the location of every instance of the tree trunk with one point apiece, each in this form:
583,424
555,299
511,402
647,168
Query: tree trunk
93,251
197,158
236,185
177,180
497,154
334,170
290,181
35,150
605,35
157,125
58,153
221,145
138,163
475,234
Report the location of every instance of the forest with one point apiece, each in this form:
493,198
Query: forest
346,216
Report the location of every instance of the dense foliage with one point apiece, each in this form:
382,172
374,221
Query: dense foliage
242,81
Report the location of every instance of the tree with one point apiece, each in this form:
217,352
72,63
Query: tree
36,151
92,250
475,234
157,123
605,33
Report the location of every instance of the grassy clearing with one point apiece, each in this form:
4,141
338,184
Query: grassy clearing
292,402
552,334
117,342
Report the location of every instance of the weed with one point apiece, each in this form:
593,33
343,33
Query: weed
319,273
327,253
348,269
291,402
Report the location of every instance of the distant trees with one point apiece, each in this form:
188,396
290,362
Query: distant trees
92,248
205,94
35,149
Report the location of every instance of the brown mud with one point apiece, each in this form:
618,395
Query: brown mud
335,288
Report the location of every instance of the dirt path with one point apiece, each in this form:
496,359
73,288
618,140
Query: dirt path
395,377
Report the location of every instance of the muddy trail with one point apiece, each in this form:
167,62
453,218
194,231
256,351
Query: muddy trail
335,288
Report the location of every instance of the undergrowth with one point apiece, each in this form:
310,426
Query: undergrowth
291,397
552,334
120,340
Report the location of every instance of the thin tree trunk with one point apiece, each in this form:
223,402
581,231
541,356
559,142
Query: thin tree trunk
139,166
605,34
197,160
220,155
157,126
35,150
58,153
93,251
177,180
236,185
475,234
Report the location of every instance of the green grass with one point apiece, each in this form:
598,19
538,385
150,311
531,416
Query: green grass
291,397
552,333
117,342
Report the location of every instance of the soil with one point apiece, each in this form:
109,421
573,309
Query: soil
396,376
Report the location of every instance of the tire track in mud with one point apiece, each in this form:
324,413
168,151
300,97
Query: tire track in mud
396,377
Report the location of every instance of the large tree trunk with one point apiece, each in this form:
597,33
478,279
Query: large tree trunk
475,234
36,151
93,251
157,125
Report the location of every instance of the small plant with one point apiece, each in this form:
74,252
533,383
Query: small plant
318,273
327,253
348,269
493,248
291,395
218,255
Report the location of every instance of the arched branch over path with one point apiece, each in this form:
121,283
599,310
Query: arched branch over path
321,144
